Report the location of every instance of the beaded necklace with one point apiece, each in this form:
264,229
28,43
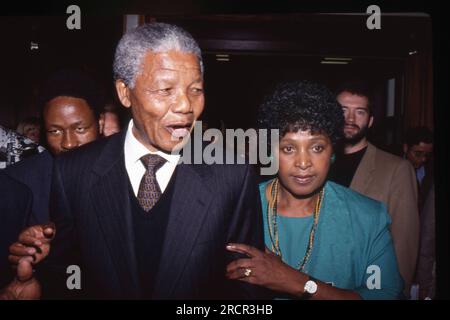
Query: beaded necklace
273,228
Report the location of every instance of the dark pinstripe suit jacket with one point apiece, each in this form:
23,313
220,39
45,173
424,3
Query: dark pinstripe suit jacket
36,173
211,206
15,205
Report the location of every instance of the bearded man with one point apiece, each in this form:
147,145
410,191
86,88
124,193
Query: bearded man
379,175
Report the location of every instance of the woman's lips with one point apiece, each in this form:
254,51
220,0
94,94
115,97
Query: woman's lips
304,179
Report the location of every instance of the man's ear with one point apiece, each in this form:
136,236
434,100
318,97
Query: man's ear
370,122
123,92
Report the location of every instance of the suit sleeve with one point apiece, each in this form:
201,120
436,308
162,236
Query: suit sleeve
427,255
382,279
246,227
403,207
63,253
15,205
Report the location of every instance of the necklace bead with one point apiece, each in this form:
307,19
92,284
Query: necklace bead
272,216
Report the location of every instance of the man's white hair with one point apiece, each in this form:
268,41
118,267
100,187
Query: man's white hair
155,37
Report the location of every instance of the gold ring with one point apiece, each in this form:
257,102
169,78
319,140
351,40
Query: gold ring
248,272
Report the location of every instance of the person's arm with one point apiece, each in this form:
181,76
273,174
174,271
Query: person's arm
52,271
246,226
31,248
382,280
427,256
24,286
267,270
403,208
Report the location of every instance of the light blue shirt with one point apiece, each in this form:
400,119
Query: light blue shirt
420,173
352,248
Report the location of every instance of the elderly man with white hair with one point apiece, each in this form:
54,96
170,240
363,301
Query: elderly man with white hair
137,222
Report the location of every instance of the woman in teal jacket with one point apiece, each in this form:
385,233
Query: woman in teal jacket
323,241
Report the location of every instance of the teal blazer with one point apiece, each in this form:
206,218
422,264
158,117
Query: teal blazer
352,248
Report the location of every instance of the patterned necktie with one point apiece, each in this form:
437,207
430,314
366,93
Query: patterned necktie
149,191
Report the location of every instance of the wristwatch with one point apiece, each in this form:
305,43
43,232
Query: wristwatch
310,288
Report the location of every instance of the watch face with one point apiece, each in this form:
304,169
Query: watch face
310,287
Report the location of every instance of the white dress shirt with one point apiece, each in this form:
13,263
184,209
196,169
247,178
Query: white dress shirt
134,150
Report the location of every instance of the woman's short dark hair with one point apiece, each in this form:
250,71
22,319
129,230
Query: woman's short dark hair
302,105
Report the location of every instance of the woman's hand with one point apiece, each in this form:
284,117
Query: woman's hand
265,269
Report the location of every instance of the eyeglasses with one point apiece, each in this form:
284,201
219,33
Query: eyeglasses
422,154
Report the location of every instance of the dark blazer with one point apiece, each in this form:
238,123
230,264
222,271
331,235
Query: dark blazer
36,173
15,204
211,206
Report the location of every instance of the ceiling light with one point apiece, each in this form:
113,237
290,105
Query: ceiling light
333,62
337,59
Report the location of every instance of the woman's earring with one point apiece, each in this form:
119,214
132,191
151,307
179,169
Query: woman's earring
333,158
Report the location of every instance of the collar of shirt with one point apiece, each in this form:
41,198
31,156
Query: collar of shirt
134,150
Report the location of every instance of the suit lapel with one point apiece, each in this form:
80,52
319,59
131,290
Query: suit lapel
190,201
110,199
365,172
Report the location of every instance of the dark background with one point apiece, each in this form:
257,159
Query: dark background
24,69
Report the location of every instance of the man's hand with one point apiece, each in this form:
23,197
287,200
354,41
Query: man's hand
33,242
24,286
31,248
